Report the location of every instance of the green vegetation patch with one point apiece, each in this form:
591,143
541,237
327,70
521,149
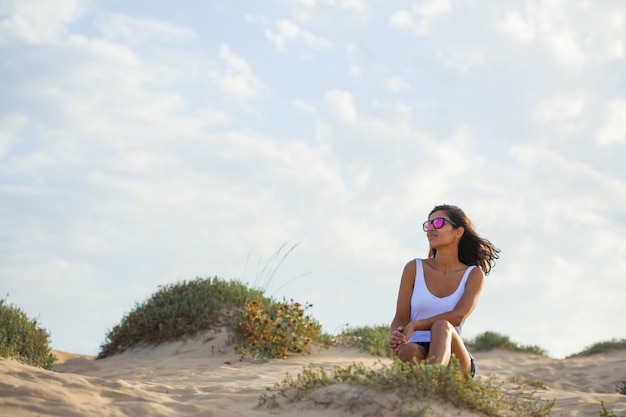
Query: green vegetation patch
258,325
21,338
492,340
375,340
179,311
601,347
372,340
413,384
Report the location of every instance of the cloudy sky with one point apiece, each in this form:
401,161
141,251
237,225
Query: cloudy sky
147,142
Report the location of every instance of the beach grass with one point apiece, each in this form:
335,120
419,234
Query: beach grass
375,340
606,346
370,339
491,340
604,412
413,384
22,338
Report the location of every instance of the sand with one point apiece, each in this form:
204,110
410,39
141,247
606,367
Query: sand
203,377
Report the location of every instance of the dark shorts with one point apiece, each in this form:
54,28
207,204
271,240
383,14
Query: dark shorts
426,345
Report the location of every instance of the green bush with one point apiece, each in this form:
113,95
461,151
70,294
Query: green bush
413,383
178,311
492,340
22,339
601,347
373,340
258,325
268,329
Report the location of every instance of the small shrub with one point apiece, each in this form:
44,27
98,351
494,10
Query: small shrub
604,412
373,340
621,388
21,338
601,347
178,311
268,329
534,383
412,382
492,340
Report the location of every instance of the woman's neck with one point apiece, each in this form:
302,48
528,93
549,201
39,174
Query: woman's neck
447,260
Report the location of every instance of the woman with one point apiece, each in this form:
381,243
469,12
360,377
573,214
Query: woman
437,294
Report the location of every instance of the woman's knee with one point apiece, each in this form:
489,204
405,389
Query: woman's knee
442,326
410,352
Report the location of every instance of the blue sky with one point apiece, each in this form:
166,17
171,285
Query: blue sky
148,142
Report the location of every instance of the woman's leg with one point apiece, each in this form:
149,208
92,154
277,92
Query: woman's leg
445,341
410,351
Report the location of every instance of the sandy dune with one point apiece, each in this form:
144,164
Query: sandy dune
203,377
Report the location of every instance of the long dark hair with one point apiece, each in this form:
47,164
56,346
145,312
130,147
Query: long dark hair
473,249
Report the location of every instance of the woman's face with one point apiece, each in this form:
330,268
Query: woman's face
445,235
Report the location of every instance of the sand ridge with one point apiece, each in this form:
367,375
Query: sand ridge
204,377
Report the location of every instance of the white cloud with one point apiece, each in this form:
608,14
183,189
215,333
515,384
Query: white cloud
563,111
462,60
304,106
579,35
613,130
396,84
567,50
417,20
431,8
236,78
141,30
515,25
341,106
214,117
434,20
404,20
289,32
358,5
37,22
355,57
10,126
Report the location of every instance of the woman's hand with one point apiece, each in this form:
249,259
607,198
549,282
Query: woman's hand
397,339
408,331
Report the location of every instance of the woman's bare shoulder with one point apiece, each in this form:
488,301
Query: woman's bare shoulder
476,275
409,270
410,264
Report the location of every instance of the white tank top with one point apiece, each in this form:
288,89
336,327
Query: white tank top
424,304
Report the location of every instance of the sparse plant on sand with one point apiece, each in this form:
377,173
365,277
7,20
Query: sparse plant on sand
22,338
604,412
524,381
412,383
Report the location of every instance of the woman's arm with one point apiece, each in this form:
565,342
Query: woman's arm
461,311
403,306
